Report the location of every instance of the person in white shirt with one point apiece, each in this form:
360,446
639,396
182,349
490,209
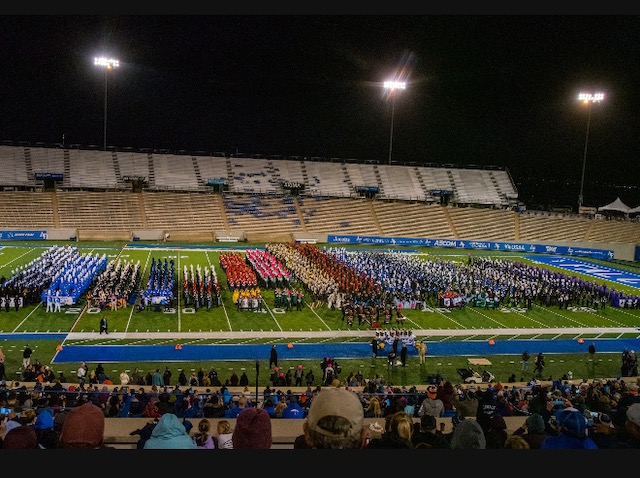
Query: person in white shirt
225,435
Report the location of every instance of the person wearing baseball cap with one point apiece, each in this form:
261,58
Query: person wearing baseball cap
335,420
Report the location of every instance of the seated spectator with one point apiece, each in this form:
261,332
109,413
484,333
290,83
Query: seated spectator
20,437
468,434
571,426
202,437
427,435
533,430
397,434
335,420
496,434
169,433
225,435
516,442
253,429
83,427
47,437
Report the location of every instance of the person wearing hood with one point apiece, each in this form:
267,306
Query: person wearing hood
170,433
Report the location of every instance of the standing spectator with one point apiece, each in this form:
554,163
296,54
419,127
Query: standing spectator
157,379
421,345
244,379
104,327
335,420
81,374
524,362
124,378
403,355
539,364
26,357
309,377
166,377
273,356
592,349
299,373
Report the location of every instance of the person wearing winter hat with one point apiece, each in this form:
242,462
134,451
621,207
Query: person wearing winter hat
335,420
533,430
20,437
83,427
572,429
468,435
253,429
169,433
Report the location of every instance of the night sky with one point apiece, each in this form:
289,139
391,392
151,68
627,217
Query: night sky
481,89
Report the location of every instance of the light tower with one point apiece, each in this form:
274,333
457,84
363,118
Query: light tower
588,99
392,86
107,64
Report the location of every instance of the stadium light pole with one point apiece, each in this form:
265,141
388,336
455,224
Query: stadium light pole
588,99
391,86
107,64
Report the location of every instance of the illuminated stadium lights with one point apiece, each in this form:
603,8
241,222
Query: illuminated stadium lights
107,64
588,99
391,86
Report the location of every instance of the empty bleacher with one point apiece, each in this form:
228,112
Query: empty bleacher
327,179
89,169
174,172
266,214
251,175
26,210
95,210
14,166
483,224
538,226
183,212
339,215
412,219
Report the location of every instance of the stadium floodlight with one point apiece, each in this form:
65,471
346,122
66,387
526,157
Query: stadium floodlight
588,99
392,86
108,64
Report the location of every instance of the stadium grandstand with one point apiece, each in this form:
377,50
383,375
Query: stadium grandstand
108,195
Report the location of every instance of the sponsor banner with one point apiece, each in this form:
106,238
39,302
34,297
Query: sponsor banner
23,235
54,176
486,245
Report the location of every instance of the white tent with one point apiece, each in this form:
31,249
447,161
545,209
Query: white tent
615,206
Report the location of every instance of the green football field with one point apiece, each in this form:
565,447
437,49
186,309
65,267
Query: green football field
224,324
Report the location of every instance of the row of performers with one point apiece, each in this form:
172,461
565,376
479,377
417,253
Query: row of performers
374,315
